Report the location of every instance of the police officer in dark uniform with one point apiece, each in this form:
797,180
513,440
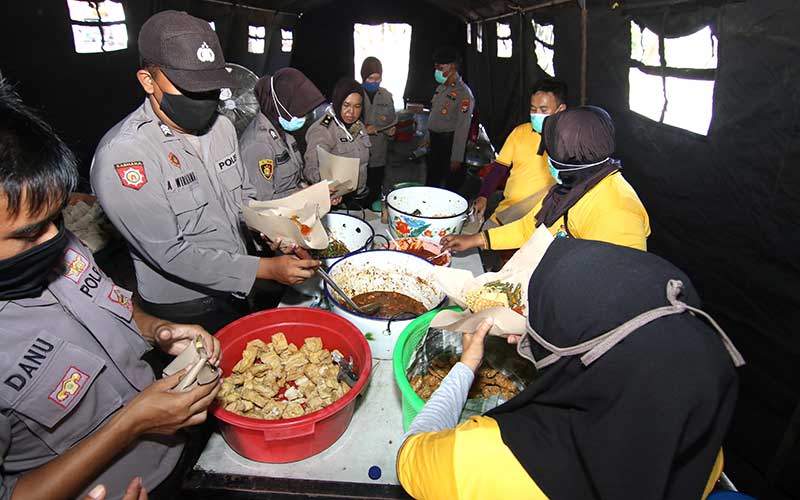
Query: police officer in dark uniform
449,122
171,180
78,406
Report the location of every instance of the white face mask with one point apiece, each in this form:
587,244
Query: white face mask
593,349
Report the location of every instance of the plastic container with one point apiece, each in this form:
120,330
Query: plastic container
289,440
403,350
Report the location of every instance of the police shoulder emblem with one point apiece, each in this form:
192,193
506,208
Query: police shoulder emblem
326,121
273,134
131,174
266,167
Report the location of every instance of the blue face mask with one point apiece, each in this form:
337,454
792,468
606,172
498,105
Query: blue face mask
295,123
291,125
438,75
537,121
371,86
554,172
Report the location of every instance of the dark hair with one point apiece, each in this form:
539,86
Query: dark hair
34,162
555,87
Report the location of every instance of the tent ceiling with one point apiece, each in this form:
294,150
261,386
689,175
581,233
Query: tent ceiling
468,10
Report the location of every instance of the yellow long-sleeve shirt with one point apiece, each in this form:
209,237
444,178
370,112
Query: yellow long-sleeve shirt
529,173
610,211
471,462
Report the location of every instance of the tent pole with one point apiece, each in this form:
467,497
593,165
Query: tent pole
584,52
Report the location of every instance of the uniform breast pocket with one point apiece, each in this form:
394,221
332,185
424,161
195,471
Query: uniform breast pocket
68,398
187,205
230,178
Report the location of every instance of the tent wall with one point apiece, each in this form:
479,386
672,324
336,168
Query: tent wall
84,95
724,208
324,46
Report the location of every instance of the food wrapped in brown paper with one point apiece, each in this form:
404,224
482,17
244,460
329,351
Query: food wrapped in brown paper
294,219
340,172
487,293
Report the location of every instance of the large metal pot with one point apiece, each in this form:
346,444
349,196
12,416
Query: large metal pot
386,271
354,232
425,212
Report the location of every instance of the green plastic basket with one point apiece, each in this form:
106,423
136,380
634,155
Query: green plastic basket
403,350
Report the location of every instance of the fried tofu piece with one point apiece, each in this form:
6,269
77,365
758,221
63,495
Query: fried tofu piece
292,393
248,358
294,366
259,369
279,342
293,410
272,360
320,357
257,344
254,397
312,344
273,410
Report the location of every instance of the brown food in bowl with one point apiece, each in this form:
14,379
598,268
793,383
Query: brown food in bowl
391,303
277,380
487,383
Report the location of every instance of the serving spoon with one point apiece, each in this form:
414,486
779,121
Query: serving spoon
367,309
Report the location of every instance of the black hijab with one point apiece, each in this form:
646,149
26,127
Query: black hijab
576,137
294,91
645,420
344,87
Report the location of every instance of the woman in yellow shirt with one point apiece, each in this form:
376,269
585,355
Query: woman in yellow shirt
590,200
633,399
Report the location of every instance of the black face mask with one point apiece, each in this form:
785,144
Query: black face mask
26,275
189,114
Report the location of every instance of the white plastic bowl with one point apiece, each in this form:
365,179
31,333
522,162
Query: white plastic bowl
387,271
425,212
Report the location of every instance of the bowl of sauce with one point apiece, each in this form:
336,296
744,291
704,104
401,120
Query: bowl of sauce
402,284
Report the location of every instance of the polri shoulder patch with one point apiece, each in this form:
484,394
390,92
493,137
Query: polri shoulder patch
266,167
326,122
131,174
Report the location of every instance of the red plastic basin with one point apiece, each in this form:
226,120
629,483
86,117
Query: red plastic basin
289,440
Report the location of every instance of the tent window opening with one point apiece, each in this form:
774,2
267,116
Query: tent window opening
213,25
255,39
97,26
544,39
504,43
469,34
391,43
287,40
479,37
672,79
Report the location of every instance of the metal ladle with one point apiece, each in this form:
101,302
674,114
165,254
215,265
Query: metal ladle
366,309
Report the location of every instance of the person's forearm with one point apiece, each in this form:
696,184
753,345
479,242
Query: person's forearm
266,269
444,407
65,476
147,323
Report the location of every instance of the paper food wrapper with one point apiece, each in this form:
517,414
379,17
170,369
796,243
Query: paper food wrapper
341,172
457,283
201,372
294,219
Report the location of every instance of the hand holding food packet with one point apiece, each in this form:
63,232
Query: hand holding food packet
201,371
503,295
294,219
340,172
